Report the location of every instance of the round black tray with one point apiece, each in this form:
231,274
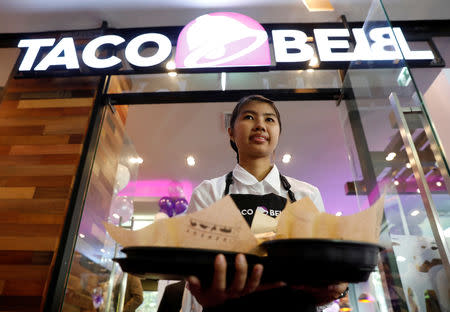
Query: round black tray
295,261
319,261
171,263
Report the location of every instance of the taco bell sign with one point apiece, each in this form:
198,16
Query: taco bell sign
222,39
216,41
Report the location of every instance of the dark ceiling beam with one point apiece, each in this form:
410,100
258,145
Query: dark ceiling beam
416,30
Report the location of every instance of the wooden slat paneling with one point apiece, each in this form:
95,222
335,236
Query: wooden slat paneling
52,103
33,130
31,218
47,149
37,170
37,243
59,159
34,139
17,192
42,131
56,181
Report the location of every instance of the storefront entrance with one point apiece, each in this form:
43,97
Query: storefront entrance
352,145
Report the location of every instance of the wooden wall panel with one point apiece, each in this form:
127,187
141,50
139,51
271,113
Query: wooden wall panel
43,123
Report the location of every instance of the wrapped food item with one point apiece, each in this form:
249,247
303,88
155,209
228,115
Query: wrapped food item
222,227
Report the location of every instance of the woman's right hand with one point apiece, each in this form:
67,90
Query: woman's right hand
218,293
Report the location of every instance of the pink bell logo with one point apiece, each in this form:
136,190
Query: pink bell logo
222,39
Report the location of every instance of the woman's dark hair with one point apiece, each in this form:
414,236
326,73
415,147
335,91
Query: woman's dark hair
238,108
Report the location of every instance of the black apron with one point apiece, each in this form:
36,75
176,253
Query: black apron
273,300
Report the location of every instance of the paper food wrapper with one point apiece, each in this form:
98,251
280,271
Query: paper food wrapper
221,227
301,219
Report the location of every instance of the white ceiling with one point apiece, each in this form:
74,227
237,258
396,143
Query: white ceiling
44,15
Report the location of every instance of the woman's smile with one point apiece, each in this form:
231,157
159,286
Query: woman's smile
259,138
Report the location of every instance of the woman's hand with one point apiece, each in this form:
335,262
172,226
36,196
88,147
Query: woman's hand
323,294
218,292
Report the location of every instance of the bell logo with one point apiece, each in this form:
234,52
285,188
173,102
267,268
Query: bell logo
222,39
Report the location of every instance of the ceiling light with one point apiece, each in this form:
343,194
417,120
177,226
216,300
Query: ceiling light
418,191
82,235
190,160
408,165
103,250
339,213
401,258
438,183
314,61
396,182
391,156
286,158
135,160
170,65
172,74
415,213
318,5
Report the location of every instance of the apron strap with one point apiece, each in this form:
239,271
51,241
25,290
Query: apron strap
284,182
228,182
287,187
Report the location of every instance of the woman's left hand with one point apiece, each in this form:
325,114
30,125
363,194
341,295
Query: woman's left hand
323,294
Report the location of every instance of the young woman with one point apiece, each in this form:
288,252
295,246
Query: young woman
255,127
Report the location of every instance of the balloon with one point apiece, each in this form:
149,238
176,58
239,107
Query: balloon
166,205
176,190
122,209
181,205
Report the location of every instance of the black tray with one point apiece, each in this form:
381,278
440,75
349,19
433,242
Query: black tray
319,261
295,261
171,263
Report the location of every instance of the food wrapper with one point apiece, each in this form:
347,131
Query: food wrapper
218,227
301,219
221,227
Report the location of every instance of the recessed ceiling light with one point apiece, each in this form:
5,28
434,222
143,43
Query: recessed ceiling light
339,213
391,156
190,160
415,212
172,74
396,182
438,183
286,158
170,65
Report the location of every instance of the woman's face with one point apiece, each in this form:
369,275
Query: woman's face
256,130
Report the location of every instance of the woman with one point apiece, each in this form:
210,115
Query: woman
255,182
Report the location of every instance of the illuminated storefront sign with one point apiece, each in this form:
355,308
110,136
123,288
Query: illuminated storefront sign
218,41
222,39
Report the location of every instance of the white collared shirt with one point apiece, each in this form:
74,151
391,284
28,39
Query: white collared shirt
210,191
